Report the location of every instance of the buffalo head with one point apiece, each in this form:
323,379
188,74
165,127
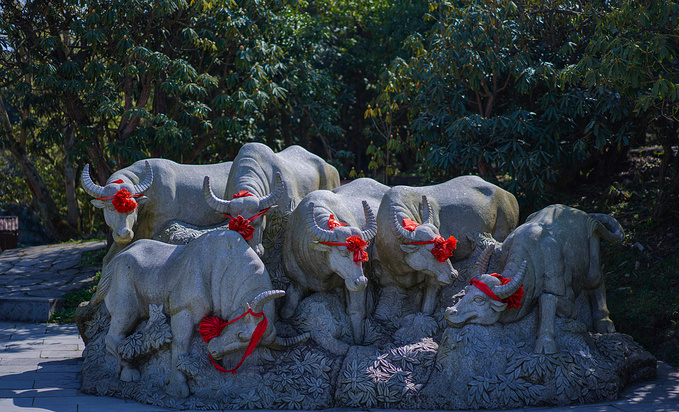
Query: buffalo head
119,199
249,207
419,246
344,247
485,298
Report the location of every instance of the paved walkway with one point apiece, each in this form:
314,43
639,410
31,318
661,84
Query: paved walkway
40,363
33,279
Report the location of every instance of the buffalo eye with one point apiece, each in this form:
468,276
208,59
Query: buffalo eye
479,300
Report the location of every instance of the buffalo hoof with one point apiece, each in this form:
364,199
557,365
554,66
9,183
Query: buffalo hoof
129,375
177,389
545,346
604,326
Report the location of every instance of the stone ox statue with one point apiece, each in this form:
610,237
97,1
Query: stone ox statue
412,256
167,190
324,248
554,255
217,274
253,178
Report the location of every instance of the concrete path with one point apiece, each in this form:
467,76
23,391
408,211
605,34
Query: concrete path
33,279
40,363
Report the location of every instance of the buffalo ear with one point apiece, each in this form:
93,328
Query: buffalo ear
409,248
98,203
497,306
141,200
321,247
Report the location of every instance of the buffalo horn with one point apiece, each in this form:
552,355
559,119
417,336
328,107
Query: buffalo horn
260,300
316,232
399,231
281,343
216,203
273,197
504,291
146,182
90,187
370,223
427,215
482,261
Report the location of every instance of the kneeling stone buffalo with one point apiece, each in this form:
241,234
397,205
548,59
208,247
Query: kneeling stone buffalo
555,255
217,274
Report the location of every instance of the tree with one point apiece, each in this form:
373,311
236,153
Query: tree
114,82
482,94
635,52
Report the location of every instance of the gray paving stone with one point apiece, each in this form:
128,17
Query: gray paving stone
16,384
38,393
68,264
7,404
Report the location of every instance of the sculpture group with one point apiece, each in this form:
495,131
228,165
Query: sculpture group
404,297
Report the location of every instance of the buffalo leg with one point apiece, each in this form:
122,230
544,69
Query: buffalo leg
293,295
431,293
546,341
356,309
182,325
121,325
597,289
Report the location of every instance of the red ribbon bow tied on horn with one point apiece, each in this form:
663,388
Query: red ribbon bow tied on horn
443,248
211,327
354,244
241,225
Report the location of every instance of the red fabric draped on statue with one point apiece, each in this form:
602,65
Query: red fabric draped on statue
242,193
443,248
513,301
356,245
122,200
212,327
333,223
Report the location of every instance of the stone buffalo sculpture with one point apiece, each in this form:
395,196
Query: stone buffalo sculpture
548,261
465,206
167,190
217,274
253,179
412,256
324,248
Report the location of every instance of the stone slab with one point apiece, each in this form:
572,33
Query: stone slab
28,309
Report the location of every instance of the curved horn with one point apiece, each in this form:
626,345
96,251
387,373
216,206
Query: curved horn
216,203
316,232
146,182
272,198
482,261
427,216
260,300
281,343
398,230
370,223
90,187
504,291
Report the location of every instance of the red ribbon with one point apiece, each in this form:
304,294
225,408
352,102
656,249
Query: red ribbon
354,244
243,226
333,223
242,193
211,327
409,225
122,200
513,301
443,248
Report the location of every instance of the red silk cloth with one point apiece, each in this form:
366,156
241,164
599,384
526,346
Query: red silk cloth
211,327
243,226
122,200
409,225
356,245
242,193
513,301
333,222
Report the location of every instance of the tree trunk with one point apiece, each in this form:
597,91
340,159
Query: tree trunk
70,180
47,208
